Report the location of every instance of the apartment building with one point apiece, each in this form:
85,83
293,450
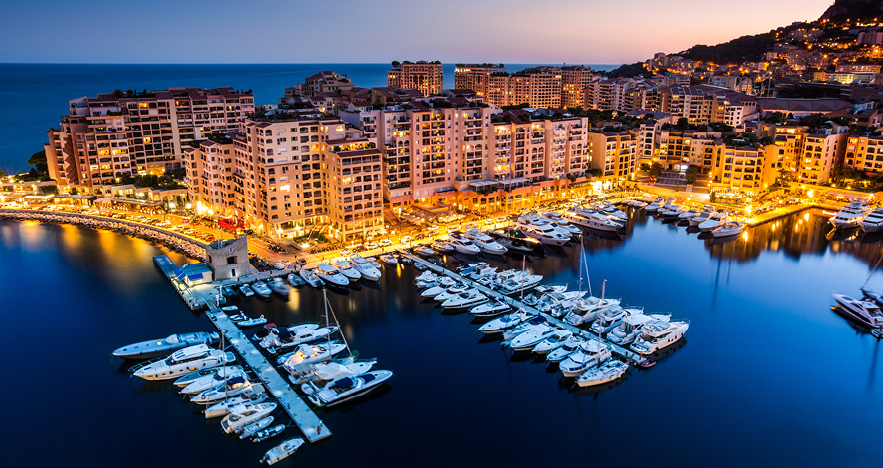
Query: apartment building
540,87
355,188
864,153
113,136
517,147
820,154
613,153
322,82
475,77
704,104
747,169
426,77
566,148
209,174
679,149
574,81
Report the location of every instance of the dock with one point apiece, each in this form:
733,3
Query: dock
206,295
631,356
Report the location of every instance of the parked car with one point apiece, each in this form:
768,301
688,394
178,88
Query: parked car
385,243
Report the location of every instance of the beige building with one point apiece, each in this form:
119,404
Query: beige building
426,77
475,77
113,136
864,153
613,153
745,169
820,154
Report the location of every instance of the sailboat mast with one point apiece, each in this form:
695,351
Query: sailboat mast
872,272
601,313
521,299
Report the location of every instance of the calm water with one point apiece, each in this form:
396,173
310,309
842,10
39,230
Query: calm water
35,95
768,375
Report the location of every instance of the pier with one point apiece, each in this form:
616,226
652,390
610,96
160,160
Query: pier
619,350
207,295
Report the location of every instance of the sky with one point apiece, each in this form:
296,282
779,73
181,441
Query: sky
360,31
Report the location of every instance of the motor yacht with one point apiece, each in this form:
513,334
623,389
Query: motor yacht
189,378
653,207
222,408
244,415
591,353
543,232
552,342
501,323
366,268
322,374
610,318
213,380
279,287
310,354
657,335
730,228
608,371
562,223
630,327
443,285
686,216
714,221
586,310
702,216
284,338
254,427
530,323
295,280
230,388
331,275
515,283
465,299
389,259
851,215
612,211
451,292
311,277
866,313
484,242
672,211
570,346
282,451
153,348
184,361
346,268
594,220
348,388
491,308
464,246
515,240
873,222
527,340
261,288
424,251
443,247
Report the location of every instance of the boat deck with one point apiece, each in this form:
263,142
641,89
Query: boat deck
516,304
304,417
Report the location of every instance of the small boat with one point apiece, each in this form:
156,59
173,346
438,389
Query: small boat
490,309
229,309
261,288
507,321
251,322
730,228
254,427
295,280
245,290
183,361
389,259
243,415
424,251
279,287
268,433
366,268
608,371
212,380
164,346
238,317
347,269
348,388
332,276
311,277
282,451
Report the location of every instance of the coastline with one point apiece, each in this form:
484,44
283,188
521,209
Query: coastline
191,248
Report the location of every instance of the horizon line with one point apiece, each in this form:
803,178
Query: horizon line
286,63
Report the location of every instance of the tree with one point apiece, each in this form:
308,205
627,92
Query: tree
644,167
683,124
655,169
396,64
41,168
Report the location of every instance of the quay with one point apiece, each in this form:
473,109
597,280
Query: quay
207,295
630,355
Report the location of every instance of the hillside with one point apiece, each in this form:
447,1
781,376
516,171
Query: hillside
854,10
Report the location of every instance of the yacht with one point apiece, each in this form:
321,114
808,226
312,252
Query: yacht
561,223
714,221
873,222
611,210
586,310
512,284
311,277
515,240
244,415
484,242
507,321
542,230
464,300
491,308
366,268
730,228
164,346
322,374
261,288
653,207
254,427
570,346
451,292
282,451
424,251
591,353
594,220
630,327
284,338
331,275
294,280
657,335
552,342
310,354
865,312
464,246
671,211
610,318
346,268
389,259
688,215
279,287
527,340
702,216
189,378
608,371
207,382
851,215
224,407
443,285
347,388
531,323
184,361
443,247
230,388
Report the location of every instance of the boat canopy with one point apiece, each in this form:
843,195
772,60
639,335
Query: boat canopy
235,382
344,383
262,332
284,334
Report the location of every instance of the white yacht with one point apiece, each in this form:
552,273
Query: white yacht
630,327
451,292
184,361
289,337
323,374
424,251
688,215
366,268
561,223
253,428
570,346
465,299
222,408
230,388
714,221
464,246
486,243
389,259
244,415
586,310
851,215
347,388
311,277
591,353
282,451
608,371
594,220
212,380
309,354
672,210
657,335
866,312
611,210
346,268
552,342
873,222
443,247
491,308
441,286
527,340
164,346
512,284
507,321
730,228
653,207
702,216
542,230
331,275
610,317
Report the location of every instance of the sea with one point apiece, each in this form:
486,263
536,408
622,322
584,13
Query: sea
34,96
768,374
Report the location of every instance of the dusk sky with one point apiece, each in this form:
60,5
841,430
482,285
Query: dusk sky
274,31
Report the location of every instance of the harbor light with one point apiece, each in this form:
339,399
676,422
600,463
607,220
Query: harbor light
188,206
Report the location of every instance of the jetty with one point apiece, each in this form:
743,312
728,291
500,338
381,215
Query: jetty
631,356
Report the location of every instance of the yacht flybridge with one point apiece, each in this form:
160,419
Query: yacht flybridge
851,215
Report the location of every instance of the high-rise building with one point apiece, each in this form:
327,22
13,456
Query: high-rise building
864,153
614,154
110,137
475,77
574,80
426,77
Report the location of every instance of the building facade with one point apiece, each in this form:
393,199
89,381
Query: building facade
426,77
